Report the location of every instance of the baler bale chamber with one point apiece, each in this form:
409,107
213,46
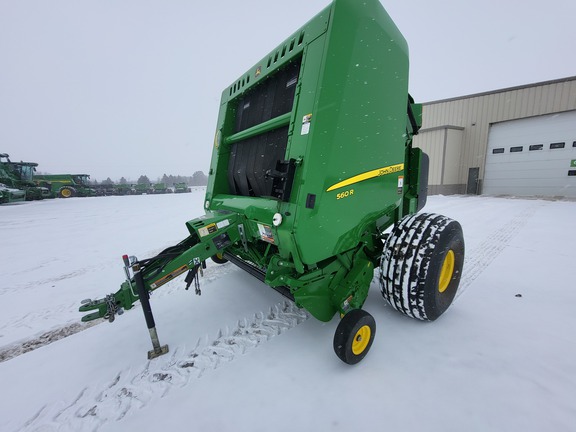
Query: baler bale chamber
312,163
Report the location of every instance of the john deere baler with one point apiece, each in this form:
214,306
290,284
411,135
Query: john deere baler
312,162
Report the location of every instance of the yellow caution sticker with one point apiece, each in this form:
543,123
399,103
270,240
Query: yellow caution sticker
168,277
207,230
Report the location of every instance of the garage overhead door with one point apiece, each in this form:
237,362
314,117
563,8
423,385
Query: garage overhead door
534,156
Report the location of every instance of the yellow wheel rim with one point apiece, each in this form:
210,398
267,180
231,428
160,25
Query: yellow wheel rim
361,340
220,256
66,193
446,272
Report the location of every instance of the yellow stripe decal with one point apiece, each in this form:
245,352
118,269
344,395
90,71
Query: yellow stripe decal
367,175
169,277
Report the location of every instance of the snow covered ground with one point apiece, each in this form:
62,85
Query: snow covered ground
503,358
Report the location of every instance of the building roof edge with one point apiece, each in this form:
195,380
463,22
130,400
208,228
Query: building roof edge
507,89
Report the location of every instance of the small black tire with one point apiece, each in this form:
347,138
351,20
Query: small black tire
354,336
422,265
66,192
219,258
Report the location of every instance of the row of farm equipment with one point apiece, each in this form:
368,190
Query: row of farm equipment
18,182
139,189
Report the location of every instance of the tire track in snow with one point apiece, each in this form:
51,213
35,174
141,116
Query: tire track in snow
484,254
133,389
18,348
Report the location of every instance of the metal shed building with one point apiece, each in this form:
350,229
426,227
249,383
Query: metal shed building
517,141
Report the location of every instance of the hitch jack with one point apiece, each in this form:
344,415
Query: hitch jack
157,349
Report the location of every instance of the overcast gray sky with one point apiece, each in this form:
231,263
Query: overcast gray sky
128,87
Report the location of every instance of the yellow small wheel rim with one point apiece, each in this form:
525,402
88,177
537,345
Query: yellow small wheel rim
361,340
446,272
220,256
66,193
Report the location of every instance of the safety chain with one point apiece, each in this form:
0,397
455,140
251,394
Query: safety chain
198,271
194,276
111,308
197,282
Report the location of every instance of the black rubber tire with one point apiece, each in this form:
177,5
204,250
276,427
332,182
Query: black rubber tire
355,323
219,259
415,254
67,192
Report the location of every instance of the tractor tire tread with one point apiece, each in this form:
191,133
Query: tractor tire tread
406,262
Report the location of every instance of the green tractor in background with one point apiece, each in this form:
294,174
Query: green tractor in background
103,189
122,189
314,183
19,175
68,185
142,188
160,188
181,187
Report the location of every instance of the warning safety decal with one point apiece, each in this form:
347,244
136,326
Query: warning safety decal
306,120
266,233
208,229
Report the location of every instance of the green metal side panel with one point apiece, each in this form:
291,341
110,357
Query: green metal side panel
347,133
357,126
